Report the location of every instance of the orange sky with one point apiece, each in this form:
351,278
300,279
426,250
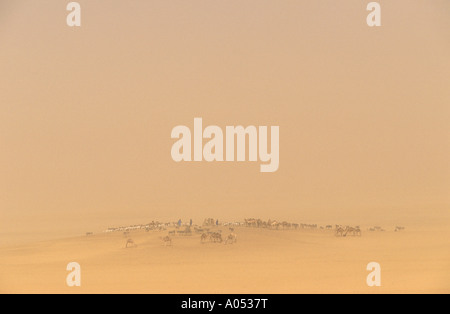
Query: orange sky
86,113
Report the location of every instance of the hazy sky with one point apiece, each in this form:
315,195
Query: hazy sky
86,113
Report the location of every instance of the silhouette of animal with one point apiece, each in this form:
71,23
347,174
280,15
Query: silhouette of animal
167,240
231,238
130,243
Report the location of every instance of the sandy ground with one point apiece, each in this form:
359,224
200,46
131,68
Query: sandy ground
262,261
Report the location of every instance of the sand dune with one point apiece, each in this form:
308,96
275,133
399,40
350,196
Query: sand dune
262,261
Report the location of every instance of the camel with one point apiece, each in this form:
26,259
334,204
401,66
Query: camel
348,230
212,237
274,225
205,237
232,238
167,241
131,243
209,222
216,237
339,232
352,231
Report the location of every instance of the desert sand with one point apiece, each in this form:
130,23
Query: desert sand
416,260
86,115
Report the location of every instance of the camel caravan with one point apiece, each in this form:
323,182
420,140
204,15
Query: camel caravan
147,227
284,225
339,230
270,224
347,231
216,237
210,231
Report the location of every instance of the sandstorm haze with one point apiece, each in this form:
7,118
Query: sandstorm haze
86,113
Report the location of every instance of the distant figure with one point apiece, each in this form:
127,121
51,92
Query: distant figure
232,238
205,237
130,243
167,241
217,222
216,237
179,223
190,223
